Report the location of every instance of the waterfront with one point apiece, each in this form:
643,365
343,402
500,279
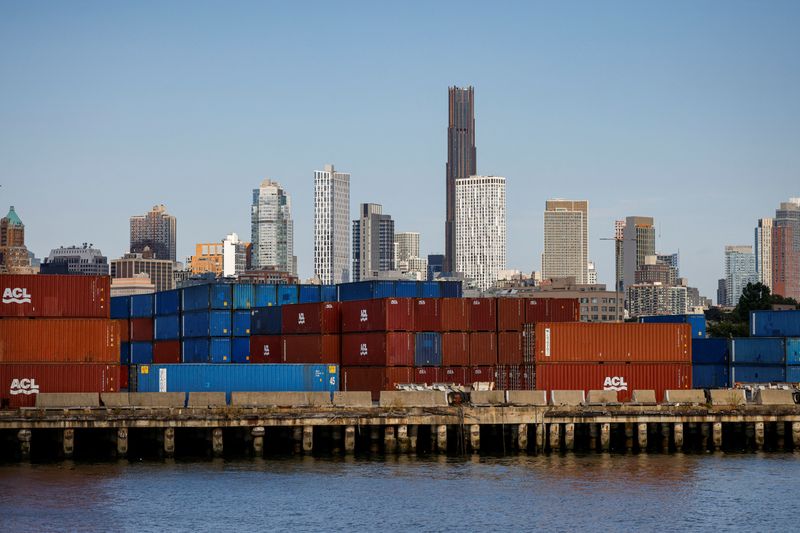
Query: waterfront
555,492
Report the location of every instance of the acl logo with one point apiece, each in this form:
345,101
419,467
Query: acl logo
24,386
266,349
616,383
363,352
16,296
364,317
301,318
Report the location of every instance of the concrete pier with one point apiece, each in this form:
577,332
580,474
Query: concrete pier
493,426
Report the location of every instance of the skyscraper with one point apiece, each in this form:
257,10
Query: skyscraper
331,225
14,255
740,269
155,230
481,228
763,249
566,236
461,159
619,230
373,242
407,245
272,229
638,241
786,250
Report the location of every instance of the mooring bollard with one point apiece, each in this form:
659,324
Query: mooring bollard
258,440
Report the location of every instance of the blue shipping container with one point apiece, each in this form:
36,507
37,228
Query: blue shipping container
167,328
219,349
308,294
757,373
168,302
329,293
265,321
710,351
121,307
758,351
697,321
141,353
206,324
366,290
793,374
793,351
428,349
195,350
243,296
450,289
241,324
240,350
429,289
142,306
710,376
287,294
124,353
406,289
775,323
208,296
238,378
266,295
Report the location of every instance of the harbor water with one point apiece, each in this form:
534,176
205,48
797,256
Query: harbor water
644,492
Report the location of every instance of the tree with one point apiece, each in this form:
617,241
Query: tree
755,297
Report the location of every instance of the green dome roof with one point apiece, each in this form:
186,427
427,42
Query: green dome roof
13,218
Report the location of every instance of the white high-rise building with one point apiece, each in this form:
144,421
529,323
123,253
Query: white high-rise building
407,245
591,275
638,242
481,228
272,228
566,239
234,256
740,269
763,248
331,225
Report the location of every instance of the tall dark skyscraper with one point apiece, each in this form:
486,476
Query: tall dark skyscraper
461,159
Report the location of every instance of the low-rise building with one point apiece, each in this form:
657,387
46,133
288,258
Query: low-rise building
83,259
138,284
159,270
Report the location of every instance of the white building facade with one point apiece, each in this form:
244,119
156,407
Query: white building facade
331,225
763,249
740,269
234,256
480,229
566,236
272,228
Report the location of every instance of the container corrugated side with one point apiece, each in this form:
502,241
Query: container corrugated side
307,294
266,321
266,295
206,324
378,349
793,351
20,383
375,379
142,306
124,330
509,348
390,314
220,349
711,376
758,350
243,295
240,323
455,349
613,342
311,318
552,310
482,349
511,313
141,353
711,351
121,307
329,293
747,373
428,349
266,349
287,294
482,374
775,323
59,340
621,377
482,314
125,353
167,352
167,327
237,378
427,375
308,349
450,289
168,302
697,321
455,314
55,296
207,296
427,314
240,350
141,329
429,289
460,375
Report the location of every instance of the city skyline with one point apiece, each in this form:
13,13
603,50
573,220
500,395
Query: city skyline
715,131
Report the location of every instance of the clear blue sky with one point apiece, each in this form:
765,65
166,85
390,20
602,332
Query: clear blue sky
685,111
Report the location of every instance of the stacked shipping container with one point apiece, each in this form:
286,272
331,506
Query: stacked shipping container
56,336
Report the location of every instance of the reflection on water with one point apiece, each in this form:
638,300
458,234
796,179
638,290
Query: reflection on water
555,492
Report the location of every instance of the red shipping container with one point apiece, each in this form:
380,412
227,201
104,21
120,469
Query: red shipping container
509,348
511,313
311,349
378,349
20,383
427,314
460,375
558,342
266,349
527,377
621,377
124,330
54,296
552,310
311,318
59,340
514,377
455,349
141,329
482,314
124,374
426,375
482,349
455,314
481,373
388,314
374,379
166,352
